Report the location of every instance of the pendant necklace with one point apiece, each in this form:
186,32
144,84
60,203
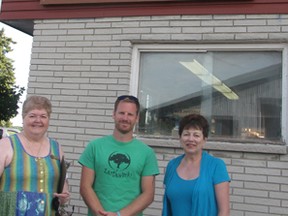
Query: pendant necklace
37,157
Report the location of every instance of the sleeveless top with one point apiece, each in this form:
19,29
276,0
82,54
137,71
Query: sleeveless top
30,181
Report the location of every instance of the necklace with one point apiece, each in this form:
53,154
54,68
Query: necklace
37,156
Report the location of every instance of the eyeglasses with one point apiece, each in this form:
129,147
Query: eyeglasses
34,117
60,210
128,97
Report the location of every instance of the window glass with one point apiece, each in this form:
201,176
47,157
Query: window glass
239,92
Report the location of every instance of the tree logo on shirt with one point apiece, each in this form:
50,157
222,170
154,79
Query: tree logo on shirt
119,161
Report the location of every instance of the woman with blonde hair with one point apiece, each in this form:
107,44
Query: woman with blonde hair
30,165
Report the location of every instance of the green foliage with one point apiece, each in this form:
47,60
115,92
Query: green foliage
7,124
9,93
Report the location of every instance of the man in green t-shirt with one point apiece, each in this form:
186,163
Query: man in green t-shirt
118,171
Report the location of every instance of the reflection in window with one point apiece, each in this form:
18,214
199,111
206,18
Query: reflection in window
239,92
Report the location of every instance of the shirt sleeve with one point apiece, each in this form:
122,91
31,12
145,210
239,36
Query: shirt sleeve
151,165
220,172
87,158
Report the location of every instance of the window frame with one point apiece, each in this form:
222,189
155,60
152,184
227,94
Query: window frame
140,48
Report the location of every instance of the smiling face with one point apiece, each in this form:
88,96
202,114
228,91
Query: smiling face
36,122
192,140
125,117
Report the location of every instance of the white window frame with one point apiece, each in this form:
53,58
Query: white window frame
139,48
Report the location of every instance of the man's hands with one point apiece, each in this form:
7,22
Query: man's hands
104,213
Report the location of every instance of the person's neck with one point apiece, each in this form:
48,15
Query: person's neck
121,137
193,158
33,138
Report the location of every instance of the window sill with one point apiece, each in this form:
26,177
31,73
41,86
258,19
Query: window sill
227,146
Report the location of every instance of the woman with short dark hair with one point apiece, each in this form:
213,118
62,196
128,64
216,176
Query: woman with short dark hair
196,183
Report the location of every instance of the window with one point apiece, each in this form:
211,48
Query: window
238,89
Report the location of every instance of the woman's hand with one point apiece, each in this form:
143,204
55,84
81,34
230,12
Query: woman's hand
64,197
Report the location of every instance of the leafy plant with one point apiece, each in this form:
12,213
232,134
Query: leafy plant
9,93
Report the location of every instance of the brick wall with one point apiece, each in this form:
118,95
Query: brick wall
83,64
259,183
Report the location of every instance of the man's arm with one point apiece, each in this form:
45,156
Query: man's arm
87,192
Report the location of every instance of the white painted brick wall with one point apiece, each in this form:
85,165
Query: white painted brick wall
82,65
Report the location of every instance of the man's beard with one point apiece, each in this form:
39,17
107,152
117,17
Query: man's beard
121,130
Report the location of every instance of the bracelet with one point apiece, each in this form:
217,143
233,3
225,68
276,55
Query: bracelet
118,213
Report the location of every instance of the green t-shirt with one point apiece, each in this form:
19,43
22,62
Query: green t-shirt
119,167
